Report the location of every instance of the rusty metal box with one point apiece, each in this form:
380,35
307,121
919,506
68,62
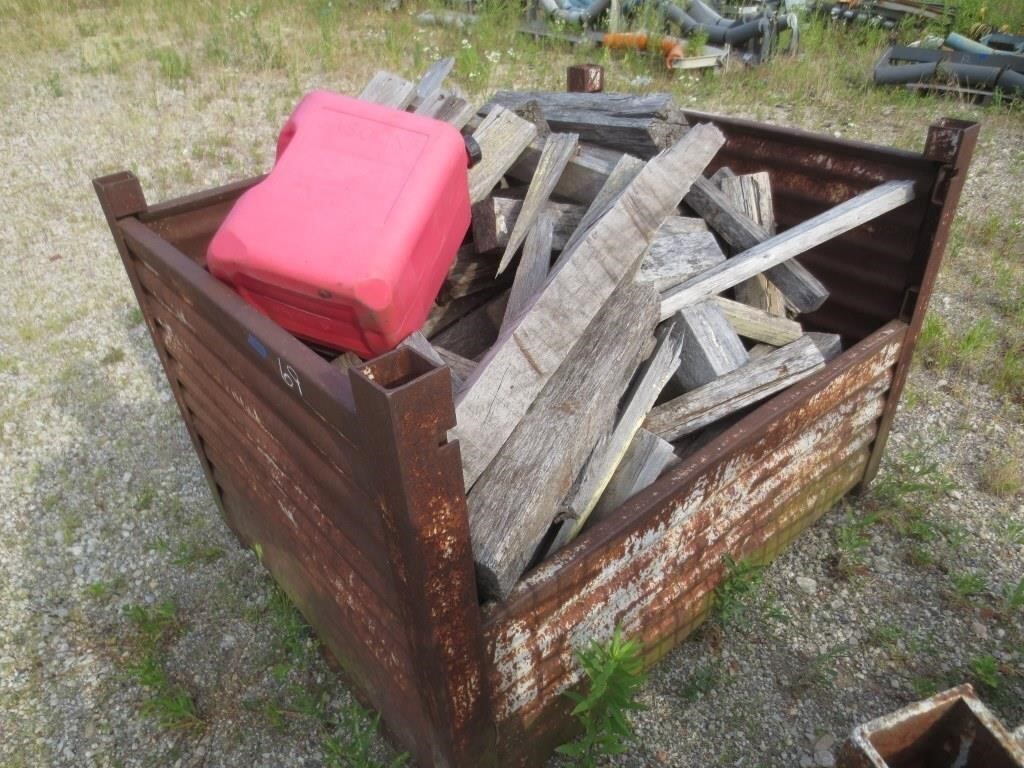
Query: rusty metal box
349,485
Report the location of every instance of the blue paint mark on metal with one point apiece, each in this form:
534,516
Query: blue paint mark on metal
258,346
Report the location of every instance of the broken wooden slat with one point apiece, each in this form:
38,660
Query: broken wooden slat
711,347
815,231
447,312
502,137
388,90
558,148
829,344
520,363
461,367
495,216
725,172
804,291
675,257
429,86
469,273
514,501
641,125
647,457
638,401
452,109
582,178
735,390
752,194
532,270
346,360
471,335
621,175
758,325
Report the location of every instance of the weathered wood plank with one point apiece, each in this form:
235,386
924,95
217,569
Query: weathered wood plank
725,172
449,311
815,231
752,194
347,360
558,148
494,218
711,347
531,272
428,88
473,333
675,257
638,401
502,137
801,289
452,109
516,368
418,343
469,273
461,367
516,497
647,457
582,178
388,90
758,325
620,177
829,344
737,389
641,125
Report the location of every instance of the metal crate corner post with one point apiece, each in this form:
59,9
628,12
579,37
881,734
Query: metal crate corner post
404,406
121,197
950,145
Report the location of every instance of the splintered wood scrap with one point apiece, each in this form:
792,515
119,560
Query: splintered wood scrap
725,172
758,325
427,90
638,401
532,271
495,216
470,274
744,386
388,90
472,334
582,178
620,177
347,360
451,109
502,137
646,459
640,124
794,241
711,347
677,254
515,500
558,148
461,366
752,194
449,311
829,344
801,289
516,368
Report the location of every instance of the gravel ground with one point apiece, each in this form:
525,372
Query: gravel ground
106,519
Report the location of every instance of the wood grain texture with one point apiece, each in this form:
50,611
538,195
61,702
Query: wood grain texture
461,367
532,271
474,332
725,172
641,125
470,273
737,389
758,325
502,137
516,498
638,401
711,347
829,344
558,148
621,175
449,311
452,109
675,257
428,88
794,241
645,460
388,90
582,178
752,194
802,290
494,218
516,368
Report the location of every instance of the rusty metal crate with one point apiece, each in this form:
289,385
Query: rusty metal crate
347,482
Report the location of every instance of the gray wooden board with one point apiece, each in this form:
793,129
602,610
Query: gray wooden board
430,83
625,170
829,344
647,457
470,273
711,347
472,334
347,360
796,240
801,289
725,172
582,178
558,148
735,390
461,367
494,218
641,124
516,498
449,311
518,365
388,90
676,257
758,325
752,194
532,271
452,109
636,404
502,137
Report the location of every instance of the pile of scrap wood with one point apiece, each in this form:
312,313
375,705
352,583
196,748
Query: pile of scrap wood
609,310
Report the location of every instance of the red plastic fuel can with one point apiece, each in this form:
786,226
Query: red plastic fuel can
349,238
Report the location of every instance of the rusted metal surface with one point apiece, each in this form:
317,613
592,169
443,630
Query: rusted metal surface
584,78
952,728
347,481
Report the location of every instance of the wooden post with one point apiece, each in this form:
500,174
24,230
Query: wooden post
423,504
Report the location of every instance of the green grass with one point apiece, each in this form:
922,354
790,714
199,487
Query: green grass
191,553
733,595
1002,474
967,585
701,682
986,670
114,356
852,542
